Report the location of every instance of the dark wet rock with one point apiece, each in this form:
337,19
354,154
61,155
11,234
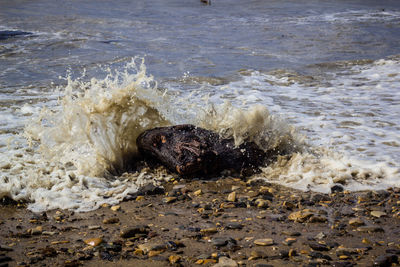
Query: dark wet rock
135,230
337,188
111,220
318,247
223,241
169,200
386,260
5,259
393,251
319,255
381,194
263,265
105,255
5,248
9,34
319,197
190,150
342,264
370,229
234,226
48,251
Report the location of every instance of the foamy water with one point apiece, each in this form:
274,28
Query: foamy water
320,80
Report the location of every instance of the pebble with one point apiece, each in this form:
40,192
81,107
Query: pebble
264,242
93,241
110,220
318,247
147,247
174,259
234,226
226,262
289,241
153,253
132,231
5,248
198,192
370,229
116,208
356,222
94,227
261,203
35,231
5,259
256,254
378,214
212,230
232,197
320,235
223,241
169,200
386,260
301,215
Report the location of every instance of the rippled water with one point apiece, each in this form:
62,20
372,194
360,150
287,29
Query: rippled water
321,75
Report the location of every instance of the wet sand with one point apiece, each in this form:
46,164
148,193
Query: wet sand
226,221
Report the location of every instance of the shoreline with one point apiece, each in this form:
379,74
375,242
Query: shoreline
222,222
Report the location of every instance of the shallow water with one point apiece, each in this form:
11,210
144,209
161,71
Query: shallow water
319,78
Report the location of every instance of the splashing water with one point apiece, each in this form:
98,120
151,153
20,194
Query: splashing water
81,148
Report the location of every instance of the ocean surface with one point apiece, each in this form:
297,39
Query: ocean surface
80,80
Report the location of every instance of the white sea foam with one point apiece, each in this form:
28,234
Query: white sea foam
80,147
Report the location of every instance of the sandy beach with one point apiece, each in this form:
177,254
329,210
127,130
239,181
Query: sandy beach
221,222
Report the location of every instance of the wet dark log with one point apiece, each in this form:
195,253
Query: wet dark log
190,150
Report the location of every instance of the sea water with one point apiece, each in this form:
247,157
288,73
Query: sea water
320,80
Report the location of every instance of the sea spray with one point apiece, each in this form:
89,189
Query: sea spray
82,147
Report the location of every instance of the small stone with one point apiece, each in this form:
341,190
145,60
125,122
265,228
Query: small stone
232,197
132,231
174,259
225,262
48,233
234,226
317,219
227,205
198,192
235,187
94,227
264,242
261,203
223,241
207,261
5,248
116,208
139,198
153,253
169,200
356,222
289,241
378,214
35,231
111,220
288,205
337,188
301,215
93,241
147,247
318,247
320,235
386,260
4,259
370,229
212,230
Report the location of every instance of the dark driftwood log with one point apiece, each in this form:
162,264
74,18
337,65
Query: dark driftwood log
190,150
